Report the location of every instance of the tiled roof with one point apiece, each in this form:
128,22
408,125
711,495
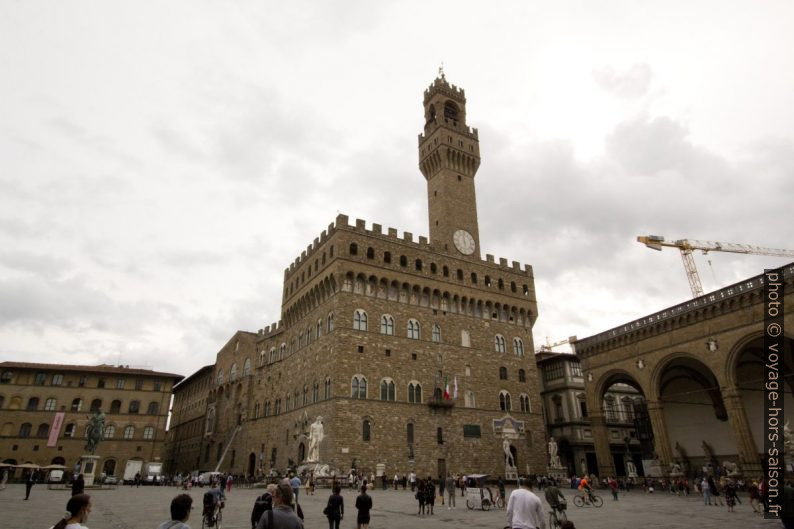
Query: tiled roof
104,368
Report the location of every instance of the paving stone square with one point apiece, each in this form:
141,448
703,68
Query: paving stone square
147,507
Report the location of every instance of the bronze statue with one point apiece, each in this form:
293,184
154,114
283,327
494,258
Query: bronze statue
95,431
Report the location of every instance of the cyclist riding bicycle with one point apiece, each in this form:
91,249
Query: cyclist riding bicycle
214,501
585,489
555,499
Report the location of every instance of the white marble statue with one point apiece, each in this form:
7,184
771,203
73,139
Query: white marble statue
731,467
316,436
675,469
554,458
631,468
509,461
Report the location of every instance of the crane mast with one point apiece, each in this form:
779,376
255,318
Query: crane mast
686,246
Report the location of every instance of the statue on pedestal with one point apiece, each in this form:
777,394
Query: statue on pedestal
509,461
316,435
94,431
554,458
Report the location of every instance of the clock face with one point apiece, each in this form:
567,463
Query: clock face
464,242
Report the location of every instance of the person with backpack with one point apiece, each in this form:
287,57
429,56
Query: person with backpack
261,504
281,516
335,509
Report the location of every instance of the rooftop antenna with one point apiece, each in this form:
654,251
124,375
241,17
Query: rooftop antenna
441,70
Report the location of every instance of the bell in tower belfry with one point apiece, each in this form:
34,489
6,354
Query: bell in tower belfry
449,155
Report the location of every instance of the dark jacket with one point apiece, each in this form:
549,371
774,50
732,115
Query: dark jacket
263,503
336,507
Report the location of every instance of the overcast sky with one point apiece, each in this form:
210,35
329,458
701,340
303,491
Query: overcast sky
161,163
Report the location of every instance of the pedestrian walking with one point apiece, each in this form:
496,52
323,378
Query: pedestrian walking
29,482
363,505
755,497
180,512
77,510
730,495
704,487
412,480
229,483
78,485
420,496
715,492
613,486
335,509
261,504
441,484
500,485
430,494
524,508
295,483
450,492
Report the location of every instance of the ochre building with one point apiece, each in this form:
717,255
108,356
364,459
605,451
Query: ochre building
416,353
37,398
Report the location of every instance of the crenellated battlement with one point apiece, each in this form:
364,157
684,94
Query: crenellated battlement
271,330
440,85
469,131
342,222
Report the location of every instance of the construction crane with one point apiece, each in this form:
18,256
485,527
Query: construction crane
686,246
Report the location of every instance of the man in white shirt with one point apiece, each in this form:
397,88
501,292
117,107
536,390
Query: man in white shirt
524,508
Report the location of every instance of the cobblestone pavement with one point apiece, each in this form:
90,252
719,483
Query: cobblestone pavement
147,507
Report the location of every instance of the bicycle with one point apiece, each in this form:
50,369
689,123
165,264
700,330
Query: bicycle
581,500
555,519
212,520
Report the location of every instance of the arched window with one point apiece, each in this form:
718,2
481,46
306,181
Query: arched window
287,402
69,430
247,367
524,398
468,400
415,393
153,408
504,401
135,406
445,271
387,389
499,343
233,372
403,261
272,355
24,430
219,380
418,265
518,346
277,407
327,388
370,253
360,320
460,274
502,373
305,395
129,432
148,433
413,329
49,405
450,111
96,405
522,375
282,350
77,404
353,248
319,327
409,433
115,406
436,333
387,325
33,404
465,338
43,431
330,321
358,387
440,435
109,432
315,392
366,430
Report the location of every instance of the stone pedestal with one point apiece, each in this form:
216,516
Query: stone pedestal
88,467
558,473
511,473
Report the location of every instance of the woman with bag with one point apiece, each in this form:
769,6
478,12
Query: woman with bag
335,510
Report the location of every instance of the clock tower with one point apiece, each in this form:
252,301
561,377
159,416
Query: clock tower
449,155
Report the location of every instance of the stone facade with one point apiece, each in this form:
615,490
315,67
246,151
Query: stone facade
568,418
374,325
699,366
135,403
186,427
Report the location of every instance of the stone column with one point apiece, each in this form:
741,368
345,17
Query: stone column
606,466
740,426
661,440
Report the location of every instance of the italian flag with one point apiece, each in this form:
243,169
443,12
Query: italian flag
446,388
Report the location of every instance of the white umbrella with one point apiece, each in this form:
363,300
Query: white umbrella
27,465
